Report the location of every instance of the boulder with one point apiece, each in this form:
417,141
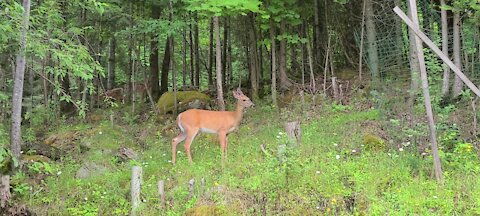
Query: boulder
185,100
89,169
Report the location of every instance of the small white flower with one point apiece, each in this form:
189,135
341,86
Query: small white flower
424,153
100,132
280,133
164,154
318,172
152,157
400,149
435,197
362,145
59,172
149,185
104,192
337,157
318,207
335,144
178,152
102,197
389,154
353,151
278,137
144,200
85,198
169,161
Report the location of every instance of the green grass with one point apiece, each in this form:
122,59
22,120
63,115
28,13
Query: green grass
320,176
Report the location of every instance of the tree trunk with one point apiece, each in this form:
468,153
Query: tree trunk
165,68
274,63
16,133
446,69
414,66
153,59
111,63
284,81
317,34
226,29
221,103
253,59
371,41
210,56
184,52
192,68
457,59
197,54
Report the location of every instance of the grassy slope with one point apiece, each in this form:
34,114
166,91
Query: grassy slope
369,181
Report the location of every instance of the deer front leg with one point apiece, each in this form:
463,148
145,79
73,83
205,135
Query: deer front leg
188,142
175,142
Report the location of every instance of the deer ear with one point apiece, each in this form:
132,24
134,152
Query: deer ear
235,94
239,90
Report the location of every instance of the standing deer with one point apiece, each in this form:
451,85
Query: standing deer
221,123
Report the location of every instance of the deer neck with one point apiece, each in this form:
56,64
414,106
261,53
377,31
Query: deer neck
238,113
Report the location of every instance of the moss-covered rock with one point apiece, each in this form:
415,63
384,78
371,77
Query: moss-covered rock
373,142
206,210
185,100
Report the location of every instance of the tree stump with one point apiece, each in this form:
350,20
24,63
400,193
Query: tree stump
293,131
4,190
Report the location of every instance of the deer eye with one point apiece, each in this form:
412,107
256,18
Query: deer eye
244,99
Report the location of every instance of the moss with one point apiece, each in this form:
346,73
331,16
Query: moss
205,210
184,98
373,142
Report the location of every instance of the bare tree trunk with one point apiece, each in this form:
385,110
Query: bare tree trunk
216,26
165,68
284,81
111,63
192,68
253,59
317,34
371,41
210,56
184,52
274,63
414,67
360,56
16,133
153,58
457,59
446,70
174,73
197,53
226,28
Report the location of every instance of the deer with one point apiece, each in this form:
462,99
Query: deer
221,123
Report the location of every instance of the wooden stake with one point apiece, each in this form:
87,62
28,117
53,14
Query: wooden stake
135,188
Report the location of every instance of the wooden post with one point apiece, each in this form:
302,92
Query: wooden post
4,190
426,94
191,185
135,188
161,193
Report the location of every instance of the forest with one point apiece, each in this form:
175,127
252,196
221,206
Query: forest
239,107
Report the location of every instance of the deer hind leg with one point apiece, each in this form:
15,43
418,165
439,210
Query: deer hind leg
222,137
175,142
190,136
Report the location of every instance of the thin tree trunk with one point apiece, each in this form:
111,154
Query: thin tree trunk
210,56
153,58
174,73
317,33
371,41
130,65
184,52
216,26
253,59
165,68
457,59
360,56
446,69
192,68
111,63
414,67
284,81
197,53
224,50
274,63
229,61
16,133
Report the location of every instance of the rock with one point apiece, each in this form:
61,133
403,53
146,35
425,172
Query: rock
125,154
89,169
185,100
